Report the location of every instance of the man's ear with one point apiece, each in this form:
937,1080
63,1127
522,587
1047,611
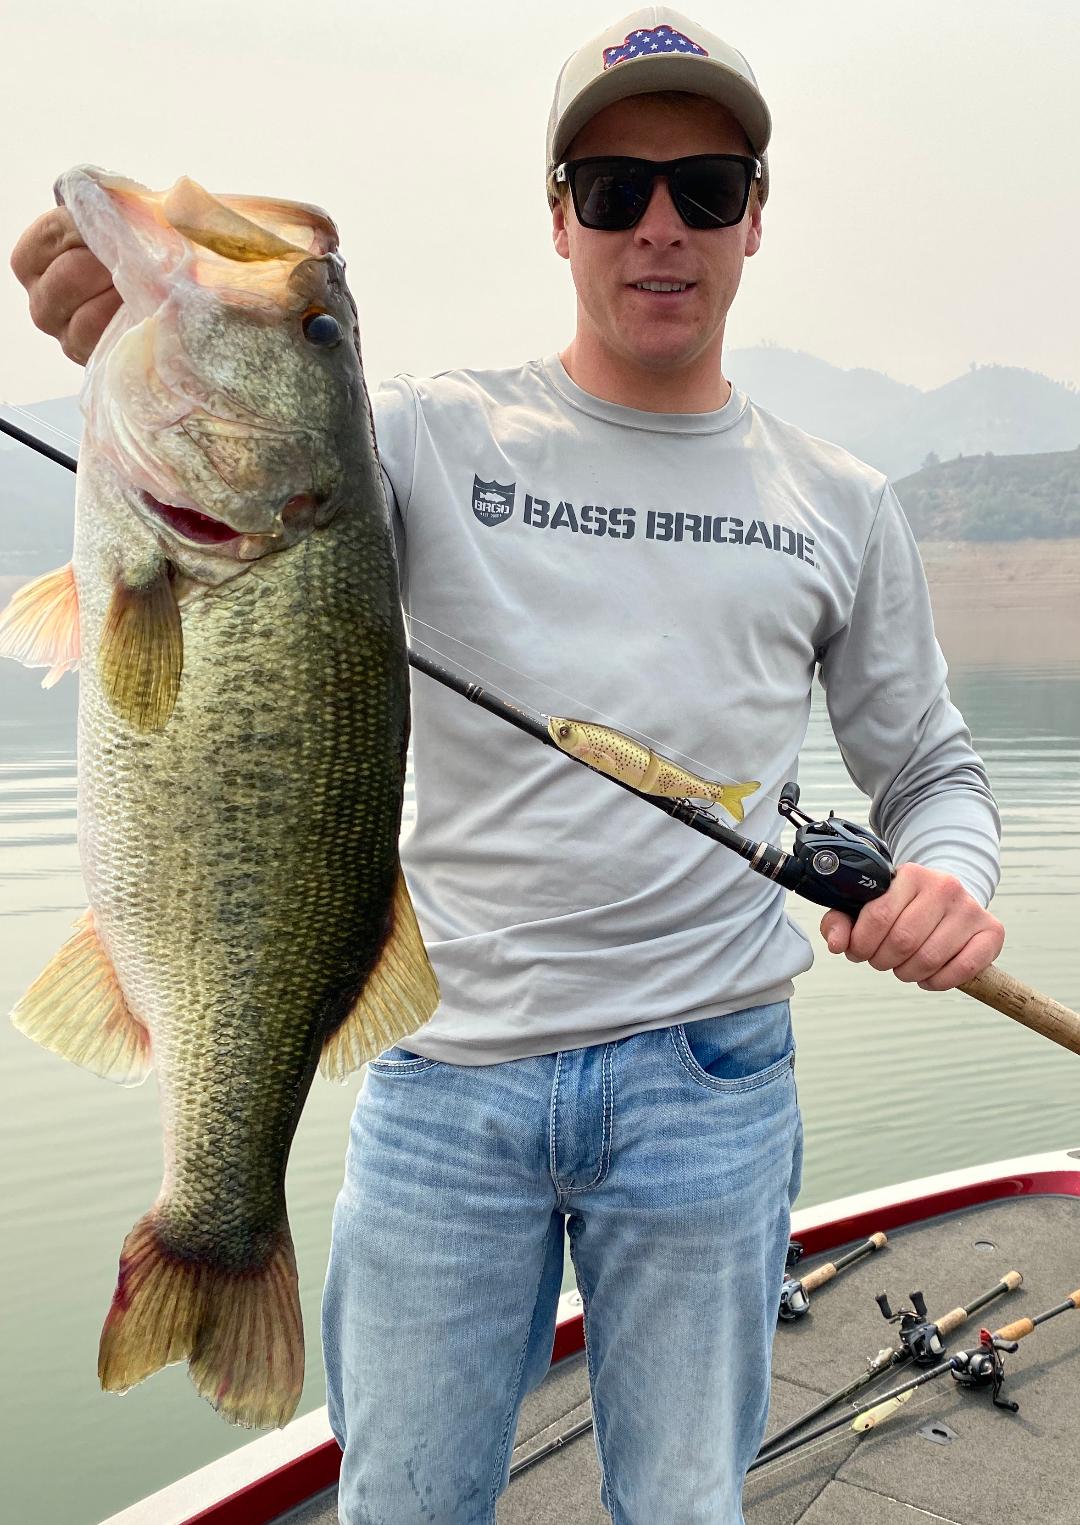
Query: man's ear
559,235
753,230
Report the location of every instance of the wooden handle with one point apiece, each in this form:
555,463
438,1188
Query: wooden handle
819,1277
1039,1012
879,1241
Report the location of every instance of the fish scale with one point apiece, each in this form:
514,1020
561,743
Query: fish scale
249,945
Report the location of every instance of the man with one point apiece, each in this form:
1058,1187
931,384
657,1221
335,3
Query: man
616,533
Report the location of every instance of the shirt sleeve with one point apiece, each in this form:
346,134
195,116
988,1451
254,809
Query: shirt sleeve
393,410
903,741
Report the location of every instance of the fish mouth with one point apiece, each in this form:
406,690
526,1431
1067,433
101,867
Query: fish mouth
190,523
296,517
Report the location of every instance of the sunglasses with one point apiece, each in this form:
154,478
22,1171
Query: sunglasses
611,193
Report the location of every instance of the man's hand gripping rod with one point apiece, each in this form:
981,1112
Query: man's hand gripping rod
841,865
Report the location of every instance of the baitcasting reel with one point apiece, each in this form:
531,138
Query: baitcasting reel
795,1293
919,1335
833,862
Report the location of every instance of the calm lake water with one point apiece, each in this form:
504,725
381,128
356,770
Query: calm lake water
894,1083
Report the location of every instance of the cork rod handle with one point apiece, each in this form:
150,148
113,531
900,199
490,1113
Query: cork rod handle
1039,1012
957,1316
1022,1326
818,1277
1015,1331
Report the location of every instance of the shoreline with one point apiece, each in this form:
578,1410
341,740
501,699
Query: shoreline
997,603
1005,603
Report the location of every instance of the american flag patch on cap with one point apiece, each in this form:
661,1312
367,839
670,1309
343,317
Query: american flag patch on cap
644,42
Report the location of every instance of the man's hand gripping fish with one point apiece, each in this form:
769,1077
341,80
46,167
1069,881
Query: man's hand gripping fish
243,718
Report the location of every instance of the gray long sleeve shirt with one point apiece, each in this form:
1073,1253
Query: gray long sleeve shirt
683,578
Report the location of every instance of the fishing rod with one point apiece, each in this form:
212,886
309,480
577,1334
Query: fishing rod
833,862
795,1293
38,444
918,1336
981,1367
921,1341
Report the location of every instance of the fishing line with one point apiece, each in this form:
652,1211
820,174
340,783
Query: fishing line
662,746
483,681
13,407
814,1447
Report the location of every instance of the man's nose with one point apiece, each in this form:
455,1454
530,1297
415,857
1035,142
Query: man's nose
660,222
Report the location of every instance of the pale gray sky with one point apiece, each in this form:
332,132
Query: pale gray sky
925,206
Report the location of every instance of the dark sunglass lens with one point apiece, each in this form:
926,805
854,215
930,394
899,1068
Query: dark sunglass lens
608,196
711,193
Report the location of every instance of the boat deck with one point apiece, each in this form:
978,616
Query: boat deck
983,1464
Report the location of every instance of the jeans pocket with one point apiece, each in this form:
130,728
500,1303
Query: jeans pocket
399,1061
740,1051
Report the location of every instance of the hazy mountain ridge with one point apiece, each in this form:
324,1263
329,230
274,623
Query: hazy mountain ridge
988,497
894,426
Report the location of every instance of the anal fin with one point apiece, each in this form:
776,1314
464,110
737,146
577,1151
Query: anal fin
76,1008
40,626
399,996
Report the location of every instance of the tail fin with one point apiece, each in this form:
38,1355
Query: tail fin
731,796
240,1331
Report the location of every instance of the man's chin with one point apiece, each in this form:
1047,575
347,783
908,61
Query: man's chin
665,356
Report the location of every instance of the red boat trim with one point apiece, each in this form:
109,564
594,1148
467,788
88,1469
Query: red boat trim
285,1488
917,1209
310,1474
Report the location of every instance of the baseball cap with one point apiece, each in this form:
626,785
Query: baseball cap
656,49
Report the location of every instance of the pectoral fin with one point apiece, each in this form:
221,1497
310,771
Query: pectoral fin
40,626
400,995
76,1008
142,652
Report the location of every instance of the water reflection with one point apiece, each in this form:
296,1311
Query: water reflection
893,1082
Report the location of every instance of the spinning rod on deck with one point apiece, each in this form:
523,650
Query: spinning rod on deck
833,862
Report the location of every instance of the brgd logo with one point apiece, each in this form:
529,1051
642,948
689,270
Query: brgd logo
492,502
645,42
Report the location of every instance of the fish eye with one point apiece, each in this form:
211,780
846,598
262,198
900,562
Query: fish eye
564,732
322,329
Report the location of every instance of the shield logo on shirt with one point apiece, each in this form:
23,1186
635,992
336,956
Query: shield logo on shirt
492,502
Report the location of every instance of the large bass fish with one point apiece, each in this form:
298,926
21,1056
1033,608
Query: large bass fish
233,607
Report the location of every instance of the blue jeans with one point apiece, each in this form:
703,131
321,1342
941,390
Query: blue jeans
672,1158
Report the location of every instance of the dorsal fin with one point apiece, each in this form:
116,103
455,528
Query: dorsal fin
210,223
